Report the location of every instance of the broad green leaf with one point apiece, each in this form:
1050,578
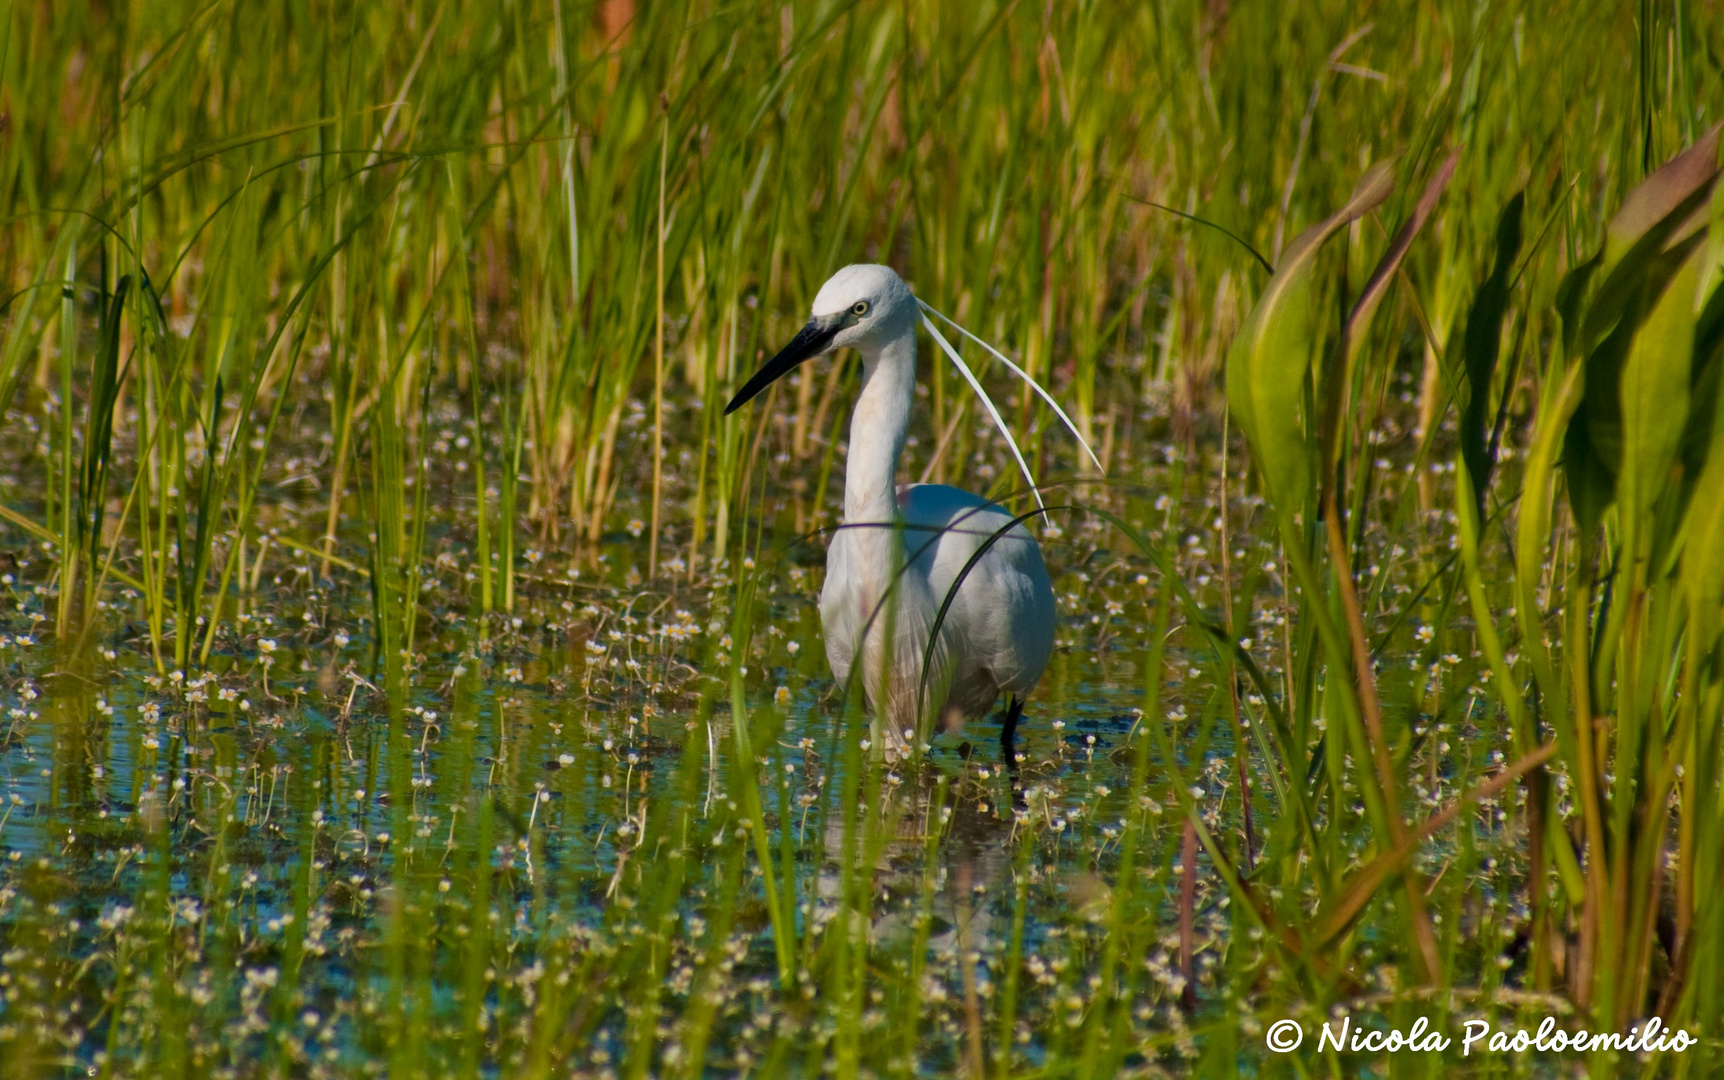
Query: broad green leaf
1594,445
1703,553
1652,201
1571,293
1712,267
1647,243
1266,368
1703,443
1590,479
1481,344
1706,416
1664,209
1654,389
1269,359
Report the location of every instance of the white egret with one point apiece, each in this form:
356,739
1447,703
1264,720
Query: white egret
900,549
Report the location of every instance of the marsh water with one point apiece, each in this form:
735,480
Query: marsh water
301,854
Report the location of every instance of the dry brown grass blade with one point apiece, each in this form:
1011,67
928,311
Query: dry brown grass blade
1359,319
1378,286
1337,407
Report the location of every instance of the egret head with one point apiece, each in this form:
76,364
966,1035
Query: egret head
864,305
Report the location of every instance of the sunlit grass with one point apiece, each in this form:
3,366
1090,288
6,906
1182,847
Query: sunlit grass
408,670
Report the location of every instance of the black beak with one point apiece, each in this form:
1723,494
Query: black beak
808,343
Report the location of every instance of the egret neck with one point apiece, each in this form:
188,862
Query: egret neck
877,429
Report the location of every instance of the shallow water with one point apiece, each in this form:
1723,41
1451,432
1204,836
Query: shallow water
274,860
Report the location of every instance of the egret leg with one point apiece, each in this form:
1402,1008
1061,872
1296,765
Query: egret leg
1009,728
1008,749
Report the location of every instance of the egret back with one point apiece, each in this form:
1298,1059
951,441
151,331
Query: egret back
1001,619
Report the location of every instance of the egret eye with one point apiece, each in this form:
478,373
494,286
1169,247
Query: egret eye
859,308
